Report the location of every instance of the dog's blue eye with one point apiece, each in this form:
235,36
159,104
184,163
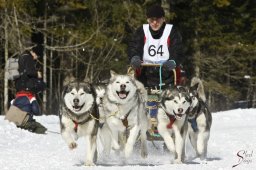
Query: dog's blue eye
127,82
117,82
73,93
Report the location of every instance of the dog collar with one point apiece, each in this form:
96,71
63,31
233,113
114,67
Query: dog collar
76,125
85,117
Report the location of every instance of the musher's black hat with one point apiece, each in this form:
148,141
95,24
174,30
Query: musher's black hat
155,11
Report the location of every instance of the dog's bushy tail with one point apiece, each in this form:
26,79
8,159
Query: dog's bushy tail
200,89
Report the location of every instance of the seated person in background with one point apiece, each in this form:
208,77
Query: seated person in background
155,43
27,86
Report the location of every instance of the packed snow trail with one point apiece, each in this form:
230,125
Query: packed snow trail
233,133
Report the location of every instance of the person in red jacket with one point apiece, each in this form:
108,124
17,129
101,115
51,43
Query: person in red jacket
157,43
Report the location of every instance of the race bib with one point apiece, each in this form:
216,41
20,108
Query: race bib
156,50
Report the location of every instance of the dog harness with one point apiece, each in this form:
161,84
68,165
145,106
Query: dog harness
87,117
192,120
77,123
193,124
172,120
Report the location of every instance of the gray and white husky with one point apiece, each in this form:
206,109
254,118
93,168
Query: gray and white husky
79,117
171,117
199,119
124,111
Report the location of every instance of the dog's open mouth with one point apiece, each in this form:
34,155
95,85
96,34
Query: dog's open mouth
178,116
77,107
122,94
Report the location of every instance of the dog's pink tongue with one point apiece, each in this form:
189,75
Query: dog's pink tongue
122,95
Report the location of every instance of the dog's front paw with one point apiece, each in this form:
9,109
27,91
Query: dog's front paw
144,154
203,161
72,145
177,161
115,145
128,150
89,163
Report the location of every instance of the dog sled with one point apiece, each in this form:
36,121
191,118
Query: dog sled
154,98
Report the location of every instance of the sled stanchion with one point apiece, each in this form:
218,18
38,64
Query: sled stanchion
174,77
152,133
160,78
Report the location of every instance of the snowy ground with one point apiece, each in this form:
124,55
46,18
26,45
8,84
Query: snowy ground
232,142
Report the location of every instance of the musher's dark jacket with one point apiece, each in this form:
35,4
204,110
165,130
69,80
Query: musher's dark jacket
150,76
28,71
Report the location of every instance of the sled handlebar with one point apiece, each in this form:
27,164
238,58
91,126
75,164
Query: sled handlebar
150,65
158,65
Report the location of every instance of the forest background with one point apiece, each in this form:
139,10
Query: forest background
89,37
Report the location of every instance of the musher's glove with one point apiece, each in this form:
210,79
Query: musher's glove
136,62
169,65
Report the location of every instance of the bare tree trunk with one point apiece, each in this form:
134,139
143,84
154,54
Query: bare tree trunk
6,96
76,63
228,83
50,97
45,60
89,66
17,28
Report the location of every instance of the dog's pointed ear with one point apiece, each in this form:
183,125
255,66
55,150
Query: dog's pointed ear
131,72
86,79
68,78
194,87
163,94
112,73
182,89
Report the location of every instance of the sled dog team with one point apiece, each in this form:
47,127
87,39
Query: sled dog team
117,114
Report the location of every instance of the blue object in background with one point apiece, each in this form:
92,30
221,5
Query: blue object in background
152,108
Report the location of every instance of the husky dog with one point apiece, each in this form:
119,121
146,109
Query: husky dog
171,117
125,111
79,117
199,119
104,132
100,90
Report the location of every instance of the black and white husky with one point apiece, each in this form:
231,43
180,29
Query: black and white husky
199,119
171,117
124,106
79,117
